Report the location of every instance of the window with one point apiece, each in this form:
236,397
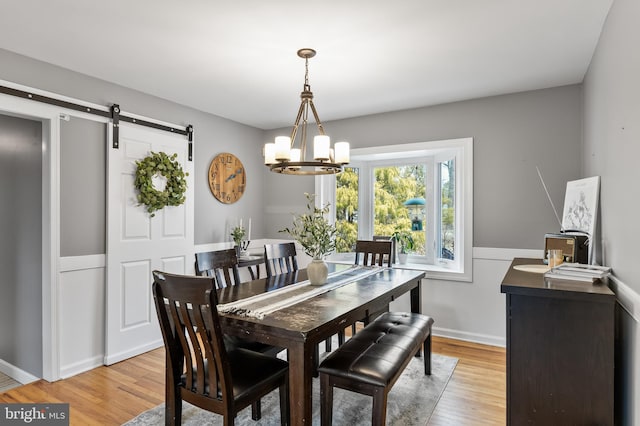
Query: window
423,188
346,208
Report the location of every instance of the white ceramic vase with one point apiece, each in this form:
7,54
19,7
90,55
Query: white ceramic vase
402,258
317,272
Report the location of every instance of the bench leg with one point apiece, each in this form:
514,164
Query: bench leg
427,355
326,401
379,414
256,410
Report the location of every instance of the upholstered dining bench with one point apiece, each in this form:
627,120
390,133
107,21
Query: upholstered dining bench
372,361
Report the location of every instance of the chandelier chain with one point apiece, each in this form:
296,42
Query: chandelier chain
306,72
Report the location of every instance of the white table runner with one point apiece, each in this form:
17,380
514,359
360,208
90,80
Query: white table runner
265,303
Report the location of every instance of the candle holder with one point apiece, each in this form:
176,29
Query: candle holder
243,248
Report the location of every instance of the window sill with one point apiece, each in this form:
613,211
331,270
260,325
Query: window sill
433,271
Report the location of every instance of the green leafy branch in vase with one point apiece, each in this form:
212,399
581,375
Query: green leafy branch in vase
313,230
237,234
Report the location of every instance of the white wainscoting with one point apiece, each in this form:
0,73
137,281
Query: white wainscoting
628,376
472,311
81,286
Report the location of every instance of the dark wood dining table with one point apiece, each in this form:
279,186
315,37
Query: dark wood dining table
301,327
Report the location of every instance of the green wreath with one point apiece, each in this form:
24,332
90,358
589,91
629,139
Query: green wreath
173,193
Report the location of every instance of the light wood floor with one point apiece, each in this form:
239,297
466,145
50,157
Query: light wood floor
113,395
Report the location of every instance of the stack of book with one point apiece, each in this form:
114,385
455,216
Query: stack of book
578,272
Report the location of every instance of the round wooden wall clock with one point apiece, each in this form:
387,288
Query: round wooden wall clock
227,178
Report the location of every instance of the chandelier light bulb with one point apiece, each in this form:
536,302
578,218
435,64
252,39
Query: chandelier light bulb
321,146
341,150
269,153
283,148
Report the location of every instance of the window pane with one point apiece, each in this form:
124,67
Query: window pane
347,209
447,211
393,187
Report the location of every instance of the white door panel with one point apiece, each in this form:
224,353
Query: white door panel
136,221
174,265
137,244
135,309
174,223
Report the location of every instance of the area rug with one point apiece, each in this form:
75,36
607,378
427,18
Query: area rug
7,383
411,402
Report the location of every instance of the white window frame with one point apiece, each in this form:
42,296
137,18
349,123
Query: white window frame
390,155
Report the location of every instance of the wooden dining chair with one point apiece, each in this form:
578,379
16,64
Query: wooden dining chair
222,266
374,252
199,368
370,253
393,245
280,258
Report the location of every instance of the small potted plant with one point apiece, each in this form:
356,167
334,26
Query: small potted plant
316,236
405,242
237,234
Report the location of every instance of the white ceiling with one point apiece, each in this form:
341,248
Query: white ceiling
237,58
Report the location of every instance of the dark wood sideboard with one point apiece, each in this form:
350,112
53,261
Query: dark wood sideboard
560,350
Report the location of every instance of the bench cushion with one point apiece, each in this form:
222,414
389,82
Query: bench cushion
378,353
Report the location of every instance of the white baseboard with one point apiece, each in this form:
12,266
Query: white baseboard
80,367
484,339
16,373
121,356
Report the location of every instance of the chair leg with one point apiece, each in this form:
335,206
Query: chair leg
173,405
379,412
326,401
284,404
256,410
341,337
173,413
327,345
229,420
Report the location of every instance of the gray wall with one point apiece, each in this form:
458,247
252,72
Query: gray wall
212,135
21,243
611,150
612,135
82,187
512,135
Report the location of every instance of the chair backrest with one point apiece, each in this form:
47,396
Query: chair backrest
373,252
393,245
221,265
280,258
196,355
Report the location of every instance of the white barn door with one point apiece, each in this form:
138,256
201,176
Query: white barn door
138,244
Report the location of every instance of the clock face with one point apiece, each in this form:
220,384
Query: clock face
227,178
